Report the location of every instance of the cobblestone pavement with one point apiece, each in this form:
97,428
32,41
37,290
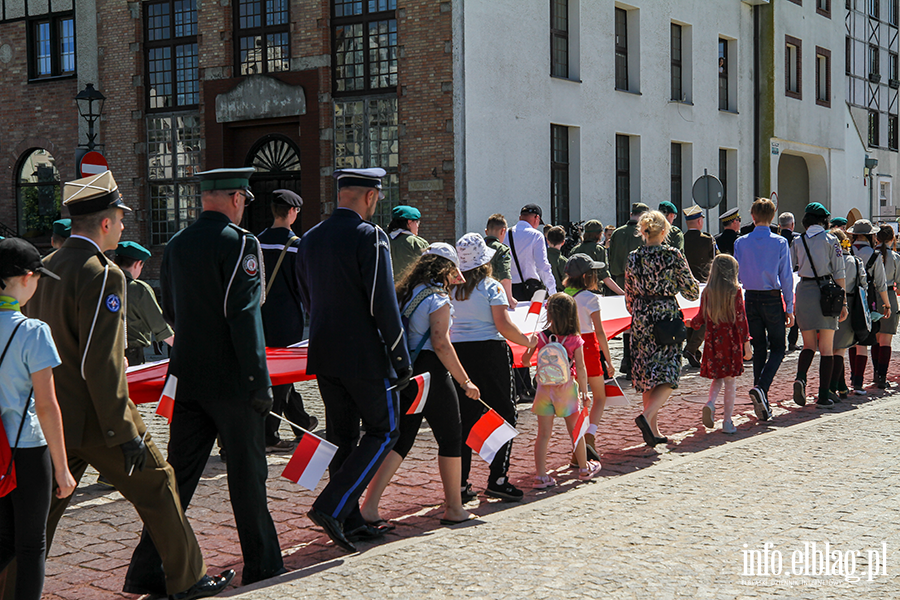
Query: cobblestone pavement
669,522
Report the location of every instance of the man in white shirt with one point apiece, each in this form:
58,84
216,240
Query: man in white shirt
530,271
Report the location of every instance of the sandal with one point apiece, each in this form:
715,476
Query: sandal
542,482
590,471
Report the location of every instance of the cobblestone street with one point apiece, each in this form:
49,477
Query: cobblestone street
662,523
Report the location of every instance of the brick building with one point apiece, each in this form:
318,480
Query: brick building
295,88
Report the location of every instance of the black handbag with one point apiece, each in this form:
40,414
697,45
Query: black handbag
831,299
530,285
669,332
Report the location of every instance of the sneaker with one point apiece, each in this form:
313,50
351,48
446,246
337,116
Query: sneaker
505,491
468,493
542,482
728,427
799,392
692,360
281,447
591,470
824,403
708,416
860,392
760,404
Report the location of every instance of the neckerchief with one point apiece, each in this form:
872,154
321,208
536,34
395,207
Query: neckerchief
9,303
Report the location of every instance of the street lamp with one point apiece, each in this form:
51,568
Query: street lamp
90,107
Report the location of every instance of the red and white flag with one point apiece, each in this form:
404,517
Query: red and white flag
581,426
537,302
310,459
424,383
167,399
614,394
489,434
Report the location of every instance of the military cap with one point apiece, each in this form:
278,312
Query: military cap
692,212
592,226
17,257
132,250
370,178
406,212
838,222
816,208
667,208
730,215
639,208
287,198
862,227
92,194
62,227
227,179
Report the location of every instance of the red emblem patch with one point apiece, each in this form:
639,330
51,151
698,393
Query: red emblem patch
250,264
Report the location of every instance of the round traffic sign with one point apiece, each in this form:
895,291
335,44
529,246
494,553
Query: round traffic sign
707,191
93,163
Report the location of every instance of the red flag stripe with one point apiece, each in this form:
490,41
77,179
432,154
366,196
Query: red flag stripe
306,449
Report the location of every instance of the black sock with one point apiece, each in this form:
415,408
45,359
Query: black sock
826,364
806,357
837,370
884,360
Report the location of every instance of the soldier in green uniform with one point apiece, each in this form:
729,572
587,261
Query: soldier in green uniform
699,251
86,313
212,288
556,237
501,263
144,317
623,241
406,245
62,229
731,220
591,246
676,238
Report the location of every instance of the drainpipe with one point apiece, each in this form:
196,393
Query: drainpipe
756,103
871,163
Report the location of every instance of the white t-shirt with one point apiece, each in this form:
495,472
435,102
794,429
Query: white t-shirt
588,303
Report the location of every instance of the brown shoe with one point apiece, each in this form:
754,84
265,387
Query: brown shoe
281,447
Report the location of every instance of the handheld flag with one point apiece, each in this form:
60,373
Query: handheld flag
537,302
310,459
581,426
489,434
424,383
167,399
614,394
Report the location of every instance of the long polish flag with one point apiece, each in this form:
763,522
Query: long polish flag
424,383
581,426
489,434
537,302
614,394
167,399
310,460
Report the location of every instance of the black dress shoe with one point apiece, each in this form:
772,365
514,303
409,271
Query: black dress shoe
208,585
644,426
333,529
145,590
367,533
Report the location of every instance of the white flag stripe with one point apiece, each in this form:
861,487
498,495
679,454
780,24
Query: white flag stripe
317,466
170,387
495,441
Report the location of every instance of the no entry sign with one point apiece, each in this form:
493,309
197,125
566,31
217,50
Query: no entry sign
93,163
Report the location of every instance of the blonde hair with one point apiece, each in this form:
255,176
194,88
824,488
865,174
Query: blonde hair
653,224
721,288
562,314
764,210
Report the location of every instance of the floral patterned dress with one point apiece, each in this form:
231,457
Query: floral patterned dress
653,277
723,346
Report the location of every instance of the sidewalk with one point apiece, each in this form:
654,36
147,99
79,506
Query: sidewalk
99,531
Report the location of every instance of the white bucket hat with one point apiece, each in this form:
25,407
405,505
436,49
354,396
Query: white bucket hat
473,252
445,250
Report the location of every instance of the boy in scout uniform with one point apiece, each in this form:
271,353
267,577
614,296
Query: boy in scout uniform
676,238
501,263
144,317
699,251
556,237
731,221
212,288
622,242
86,313
591,246
406,245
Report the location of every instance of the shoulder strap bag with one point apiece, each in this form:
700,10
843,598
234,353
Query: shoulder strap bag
7,455
831,297
531,285
407,315
287,245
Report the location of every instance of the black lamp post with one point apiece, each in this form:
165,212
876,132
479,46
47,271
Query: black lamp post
90,107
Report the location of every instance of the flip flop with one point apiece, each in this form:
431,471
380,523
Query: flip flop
383,525
454,522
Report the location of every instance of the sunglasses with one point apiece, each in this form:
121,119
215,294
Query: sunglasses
248,196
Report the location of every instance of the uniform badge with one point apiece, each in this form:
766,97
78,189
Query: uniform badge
837,250
113,303
250,264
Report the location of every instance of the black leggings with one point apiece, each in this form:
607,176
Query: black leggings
23,521
441,409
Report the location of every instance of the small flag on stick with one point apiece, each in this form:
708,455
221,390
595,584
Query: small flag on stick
167,399
424,383
489,434
614,394
537,302
310,460
581,426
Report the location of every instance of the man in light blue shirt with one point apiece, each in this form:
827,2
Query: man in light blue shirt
767,277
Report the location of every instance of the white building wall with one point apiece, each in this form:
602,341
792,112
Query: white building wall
510,100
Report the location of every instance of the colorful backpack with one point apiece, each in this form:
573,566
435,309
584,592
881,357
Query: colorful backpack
553,366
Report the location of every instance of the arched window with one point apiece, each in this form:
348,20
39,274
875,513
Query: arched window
38,195
277,162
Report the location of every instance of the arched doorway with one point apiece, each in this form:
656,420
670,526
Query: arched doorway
793,185
277,161
38,195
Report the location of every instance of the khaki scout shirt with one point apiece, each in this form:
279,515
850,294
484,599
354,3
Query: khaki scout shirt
144,316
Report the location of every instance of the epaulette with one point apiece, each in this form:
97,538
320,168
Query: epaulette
239,229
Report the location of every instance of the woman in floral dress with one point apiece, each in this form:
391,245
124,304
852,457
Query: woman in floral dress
654,275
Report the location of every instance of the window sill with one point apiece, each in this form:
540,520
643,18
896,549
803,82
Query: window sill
569,79
684,102
53,78
824,103
628,92
728,111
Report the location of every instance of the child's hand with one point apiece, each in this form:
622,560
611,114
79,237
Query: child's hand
586,400
532,340
65,483
687,323
748,351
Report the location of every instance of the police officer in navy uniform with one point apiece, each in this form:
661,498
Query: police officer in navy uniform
212,289
282,314
731,221
357,348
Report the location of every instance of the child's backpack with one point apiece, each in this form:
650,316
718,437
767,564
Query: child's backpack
553,366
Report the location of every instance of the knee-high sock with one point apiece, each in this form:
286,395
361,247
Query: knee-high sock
884,359
851,360
826,364
837,372
806,357
861,360
876,350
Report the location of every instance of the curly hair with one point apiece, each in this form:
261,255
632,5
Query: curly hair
653,224
429,269
886,236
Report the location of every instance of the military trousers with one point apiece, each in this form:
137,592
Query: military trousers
193,431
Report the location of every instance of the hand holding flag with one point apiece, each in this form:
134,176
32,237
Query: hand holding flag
581,426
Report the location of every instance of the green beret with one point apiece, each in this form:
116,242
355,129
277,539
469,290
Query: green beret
816,208
592,226
838,222
406,212
132,250
62,228
667,208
